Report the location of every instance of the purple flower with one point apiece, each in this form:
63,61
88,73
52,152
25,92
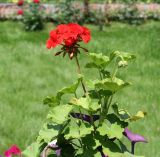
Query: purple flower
133,138
55,146
85,117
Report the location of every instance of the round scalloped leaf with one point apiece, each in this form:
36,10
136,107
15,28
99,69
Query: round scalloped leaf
113,131
48,132
86,103
77,129
97,60
60,113
55,100
113,85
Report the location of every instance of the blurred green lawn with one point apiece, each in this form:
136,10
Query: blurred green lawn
29,72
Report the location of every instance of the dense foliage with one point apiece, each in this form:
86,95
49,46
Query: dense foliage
66,12
32,16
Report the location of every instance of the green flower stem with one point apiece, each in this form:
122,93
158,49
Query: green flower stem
79,71
79,108
107,101
114,71
92,121
109,104
132,147
103,109
100,74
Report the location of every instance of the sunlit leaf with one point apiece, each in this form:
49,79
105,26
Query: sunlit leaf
77,129
139,115
122,56
89,153
55,100
97,60
48,132
113,131
113,85
86,103
60,113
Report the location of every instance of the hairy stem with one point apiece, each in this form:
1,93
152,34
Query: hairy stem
92,122
79,108
109,103
100,74
79,71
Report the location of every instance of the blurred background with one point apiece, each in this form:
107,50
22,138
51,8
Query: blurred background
29,72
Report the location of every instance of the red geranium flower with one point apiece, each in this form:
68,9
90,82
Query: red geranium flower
20,2
68,35
14,150
36,1
20,12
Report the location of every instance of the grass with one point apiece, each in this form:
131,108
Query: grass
29,72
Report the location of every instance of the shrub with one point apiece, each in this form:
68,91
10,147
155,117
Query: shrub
67,12
32,15
91,123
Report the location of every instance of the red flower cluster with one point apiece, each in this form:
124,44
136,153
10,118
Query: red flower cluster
68,35
20,12
36,1
14,150
20,2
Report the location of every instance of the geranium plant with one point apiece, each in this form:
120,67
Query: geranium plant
90,124
31,15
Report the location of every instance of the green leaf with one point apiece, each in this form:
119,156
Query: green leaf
125,115
67,151
90,141
86,103
112,85
49,132
89,153
91,65
32,150
97,60
77,129
111,149
103,129
55,100
99,93
59,114
113,131
69,90
122,58
139,115
121,113
112,118
50,101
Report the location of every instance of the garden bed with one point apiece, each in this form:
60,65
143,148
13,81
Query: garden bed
8,10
